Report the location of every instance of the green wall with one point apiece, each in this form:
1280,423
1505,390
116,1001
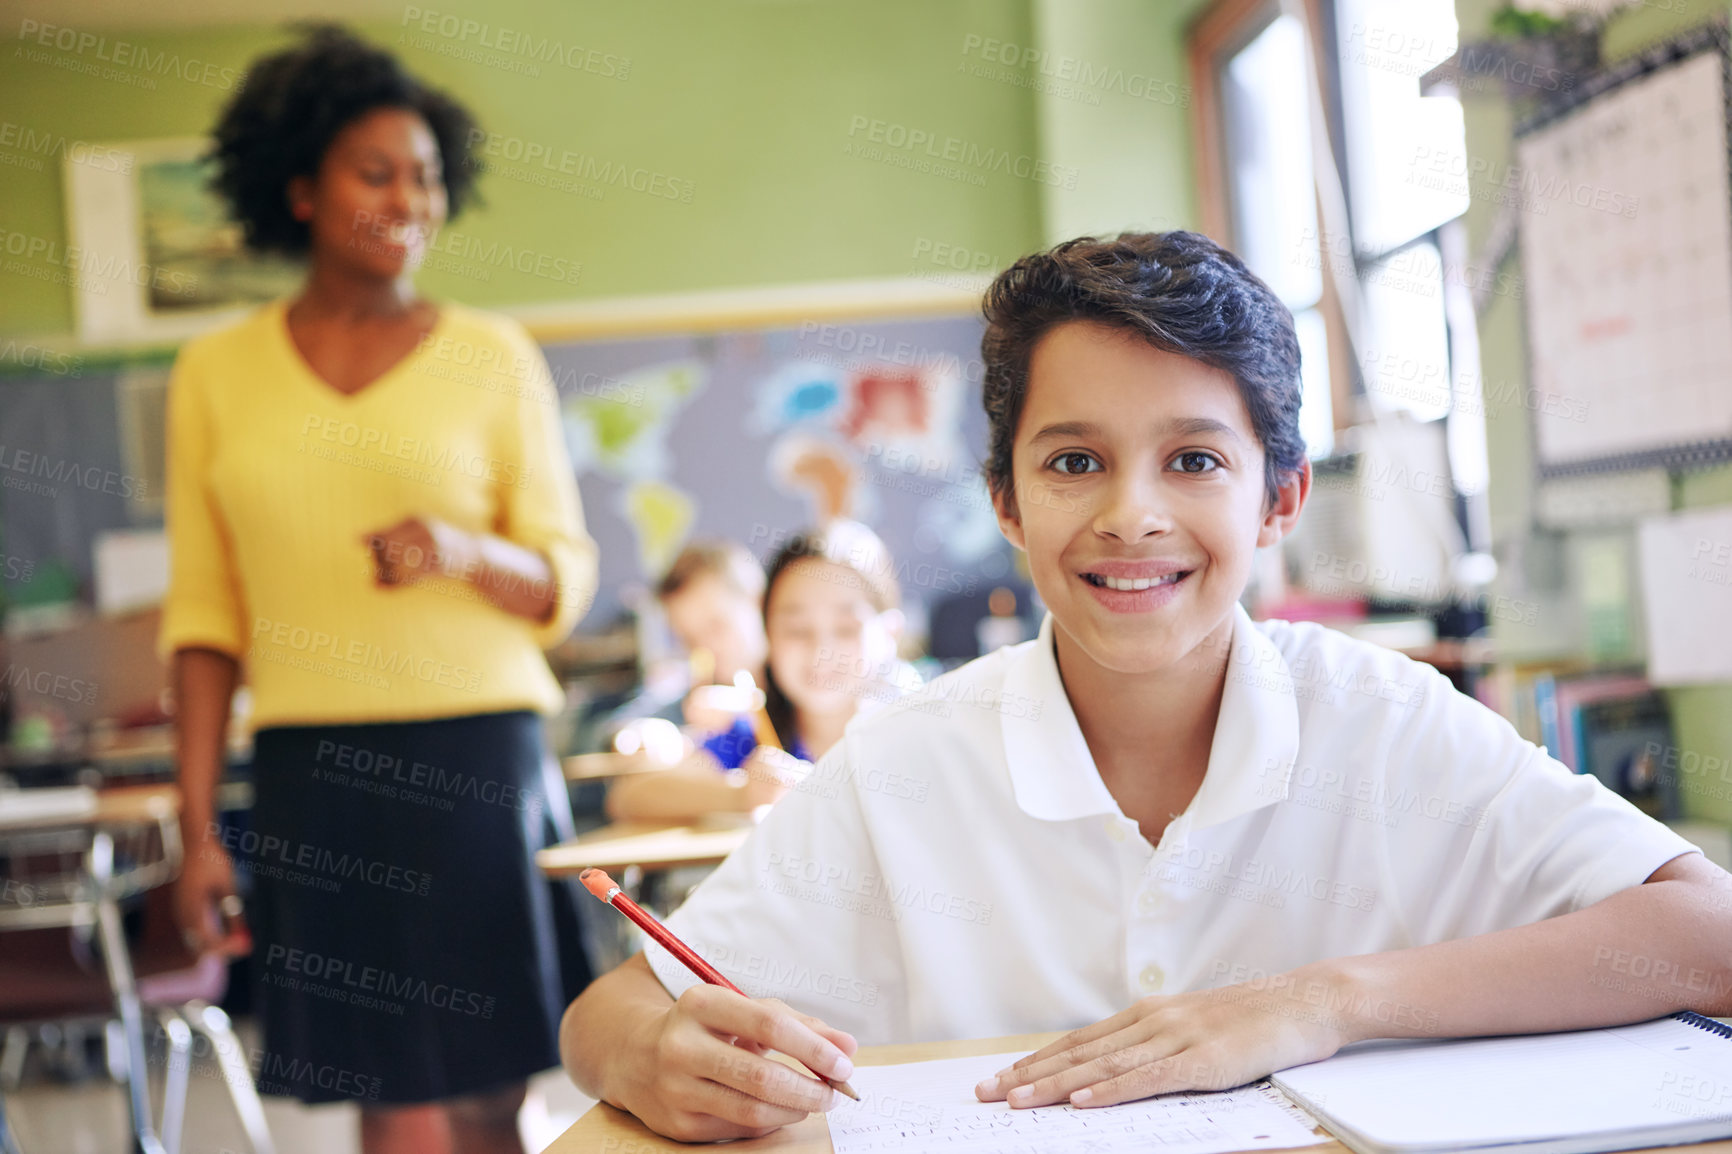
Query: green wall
1129,132
761,110
1702,715
755,106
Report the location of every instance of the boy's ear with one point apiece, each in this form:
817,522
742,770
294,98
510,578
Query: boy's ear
1009,517
1283,513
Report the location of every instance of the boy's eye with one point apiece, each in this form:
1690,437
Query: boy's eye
1196,462
1075,463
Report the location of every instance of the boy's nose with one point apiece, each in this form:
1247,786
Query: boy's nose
1133,507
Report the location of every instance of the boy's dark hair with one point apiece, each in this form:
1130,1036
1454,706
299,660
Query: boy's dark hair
1180,292
291,106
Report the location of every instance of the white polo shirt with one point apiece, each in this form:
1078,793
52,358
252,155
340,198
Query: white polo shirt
956,868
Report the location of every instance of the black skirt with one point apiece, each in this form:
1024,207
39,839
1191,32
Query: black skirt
404,947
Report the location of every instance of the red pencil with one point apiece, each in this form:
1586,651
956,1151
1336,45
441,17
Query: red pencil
598,883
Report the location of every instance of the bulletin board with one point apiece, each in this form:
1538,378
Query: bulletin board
753,433
1626,243
748,423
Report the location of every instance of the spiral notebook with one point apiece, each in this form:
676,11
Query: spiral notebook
1660,1083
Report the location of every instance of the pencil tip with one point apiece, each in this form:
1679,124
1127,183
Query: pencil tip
845,1088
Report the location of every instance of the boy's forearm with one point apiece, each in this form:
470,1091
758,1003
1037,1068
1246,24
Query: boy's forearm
1643,952
596,1031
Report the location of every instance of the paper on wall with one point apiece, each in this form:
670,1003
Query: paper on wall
1686,562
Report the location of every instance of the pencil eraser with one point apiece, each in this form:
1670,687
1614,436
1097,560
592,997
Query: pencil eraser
597,882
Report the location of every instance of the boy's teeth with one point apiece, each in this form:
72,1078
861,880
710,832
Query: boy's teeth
1126,584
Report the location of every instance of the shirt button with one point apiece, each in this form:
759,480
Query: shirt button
1151,978
1115,831
1147,901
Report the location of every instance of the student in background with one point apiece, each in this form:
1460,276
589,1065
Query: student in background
713,599
713,595
1207,847
387,542
832,617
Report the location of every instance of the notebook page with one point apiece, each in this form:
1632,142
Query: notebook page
1481,1091
927,1106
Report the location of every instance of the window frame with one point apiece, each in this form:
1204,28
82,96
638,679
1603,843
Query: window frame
1219,31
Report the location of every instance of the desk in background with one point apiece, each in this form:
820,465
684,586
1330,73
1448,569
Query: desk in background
640,856
646,845
128,841
584,767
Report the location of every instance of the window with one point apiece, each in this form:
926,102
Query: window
1267,135
1332,174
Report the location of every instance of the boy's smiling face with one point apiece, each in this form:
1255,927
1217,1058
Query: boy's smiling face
1140,496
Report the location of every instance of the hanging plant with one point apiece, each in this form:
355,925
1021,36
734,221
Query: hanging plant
1512,23
1529,56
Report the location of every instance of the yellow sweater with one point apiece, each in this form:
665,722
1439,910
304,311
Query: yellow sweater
275,479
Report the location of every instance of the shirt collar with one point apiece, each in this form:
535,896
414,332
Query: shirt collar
1251,758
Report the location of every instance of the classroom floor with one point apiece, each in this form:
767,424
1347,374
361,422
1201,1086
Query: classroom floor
89,1117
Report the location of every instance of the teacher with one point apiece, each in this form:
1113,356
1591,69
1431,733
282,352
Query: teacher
371,511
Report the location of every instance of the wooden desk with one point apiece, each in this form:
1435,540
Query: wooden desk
118,750
126,841
605,766
604,1128
647,845
125,805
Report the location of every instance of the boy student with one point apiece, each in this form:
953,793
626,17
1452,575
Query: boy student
1231,846
713,595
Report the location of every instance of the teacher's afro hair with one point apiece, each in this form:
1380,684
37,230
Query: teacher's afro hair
290,107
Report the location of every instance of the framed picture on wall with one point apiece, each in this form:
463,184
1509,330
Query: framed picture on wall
153,255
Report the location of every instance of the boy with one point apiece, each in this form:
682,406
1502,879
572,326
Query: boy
1233,847
713,595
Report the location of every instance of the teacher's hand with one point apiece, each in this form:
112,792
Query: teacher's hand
206,884
421,546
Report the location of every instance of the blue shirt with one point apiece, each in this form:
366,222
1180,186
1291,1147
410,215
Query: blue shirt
734,745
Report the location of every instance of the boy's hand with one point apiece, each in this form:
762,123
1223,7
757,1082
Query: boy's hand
1207,1040
698,1072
